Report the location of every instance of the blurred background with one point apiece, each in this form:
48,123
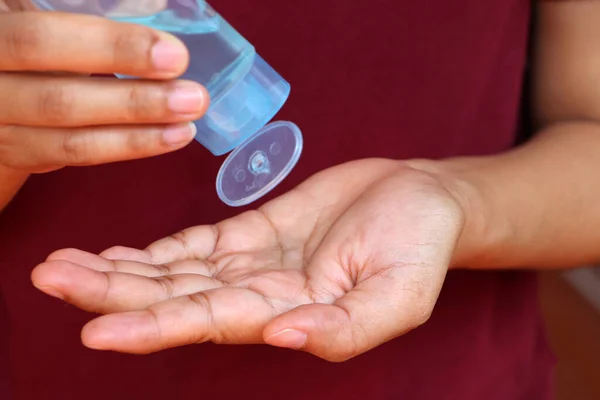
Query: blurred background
571,304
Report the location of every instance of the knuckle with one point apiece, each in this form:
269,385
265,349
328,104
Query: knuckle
183,241
167,284
25,42
131,46
55,103
201,300
210,331
163,269
74,150
11,154
139,105
140,142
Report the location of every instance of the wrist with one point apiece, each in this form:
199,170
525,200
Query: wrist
485,230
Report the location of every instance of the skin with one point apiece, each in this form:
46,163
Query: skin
50,120
357,255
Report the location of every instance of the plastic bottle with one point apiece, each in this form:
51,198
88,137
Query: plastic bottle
245,91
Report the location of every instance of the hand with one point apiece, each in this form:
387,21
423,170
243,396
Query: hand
53,114
350,259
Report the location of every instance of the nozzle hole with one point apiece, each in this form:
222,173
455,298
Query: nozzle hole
259,163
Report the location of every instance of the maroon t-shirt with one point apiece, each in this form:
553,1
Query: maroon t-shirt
377,78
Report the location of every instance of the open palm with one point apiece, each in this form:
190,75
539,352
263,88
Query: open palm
353,257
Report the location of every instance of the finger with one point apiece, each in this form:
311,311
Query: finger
378,310
247,232
68,101
120,255
129,266
108,292
44,41
17,5
196,243
36,148
127,253
227,315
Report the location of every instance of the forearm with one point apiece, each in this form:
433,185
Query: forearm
10,183
537,206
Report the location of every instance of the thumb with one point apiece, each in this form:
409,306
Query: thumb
379,309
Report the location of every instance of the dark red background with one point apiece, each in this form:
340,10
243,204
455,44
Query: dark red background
383,78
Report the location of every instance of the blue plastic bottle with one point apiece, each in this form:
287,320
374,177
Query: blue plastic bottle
245,91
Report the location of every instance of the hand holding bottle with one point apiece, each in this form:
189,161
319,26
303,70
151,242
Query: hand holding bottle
54,114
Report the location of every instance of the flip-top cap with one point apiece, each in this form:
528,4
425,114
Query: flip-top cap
259,164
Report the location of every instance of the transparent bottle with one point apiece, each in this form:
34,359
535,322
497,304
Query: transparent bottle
245,91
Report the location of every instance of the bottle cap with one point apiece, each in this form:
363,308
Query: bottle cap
259,164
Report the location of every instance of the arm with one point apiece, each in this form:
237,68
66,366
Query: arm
539,206
357,254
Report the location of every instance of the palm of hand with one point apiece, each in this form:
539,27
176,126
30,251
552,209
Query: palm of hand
350,259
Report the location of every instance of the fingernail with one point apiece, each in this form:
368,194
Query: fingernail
288,338
186,99
50,291
179,134
168,55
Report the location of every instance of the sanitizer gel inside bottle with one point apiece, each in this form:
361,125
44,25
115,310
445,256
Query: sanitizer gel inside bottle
245,91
